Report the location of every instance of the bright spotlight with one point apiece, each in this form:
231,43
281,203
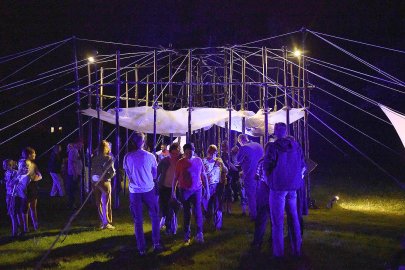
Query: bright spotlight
297,53
91,59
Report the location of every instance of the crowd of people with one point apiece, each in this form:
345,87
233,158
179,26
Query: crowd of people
264,181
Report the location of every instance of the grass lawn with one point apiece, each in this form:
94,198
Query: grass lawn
362,231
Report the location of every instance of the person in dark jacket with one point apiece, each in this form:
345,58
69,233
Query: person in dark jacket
55,168
284,166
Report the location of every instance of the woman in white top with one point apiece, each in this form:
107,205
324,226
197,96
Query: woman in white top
216,172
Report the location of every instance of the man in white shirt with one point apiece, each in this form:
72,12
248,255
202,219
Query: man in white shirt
141,168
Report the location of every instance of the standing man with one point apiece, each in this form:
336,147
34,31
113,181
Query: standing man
284,166
190,176
248,157
141,168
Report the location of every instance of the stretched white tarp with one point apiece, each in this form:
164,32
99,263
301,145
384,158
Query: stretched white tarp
176,122
397,120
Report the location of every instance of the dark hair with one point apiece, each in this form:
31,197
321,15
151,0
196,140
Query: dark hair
27,152
174,146
188,146
280,124
137,138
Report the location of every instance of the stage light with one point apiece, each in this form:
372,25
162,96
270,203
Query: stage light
91,59
60,128
52,129
297,53
332,201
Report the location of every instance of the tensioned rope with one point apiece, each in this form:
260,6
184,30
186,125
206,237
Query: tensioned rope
348,69
326,139
360,60
33,61
360,42
7,58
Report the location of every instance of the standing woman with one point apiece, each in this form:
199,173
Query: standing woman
216,172
32,188
102,170
55,168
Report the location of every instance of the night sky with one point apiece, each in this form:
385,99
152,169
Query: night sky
186,24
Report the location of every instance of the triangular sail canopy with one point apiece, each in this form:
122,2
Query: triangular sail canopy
397,120
141,119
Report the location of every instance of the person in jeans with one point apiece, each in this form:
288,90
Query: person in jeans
248,157
216,172
284,166
141,168
102,169
188,176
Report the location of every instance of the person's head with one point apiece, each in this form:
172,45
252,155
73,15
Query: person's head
104,148
57,149
280,130
212,151
188,150
69,147
224,146
138,139
8,164
174,150
28,153
243,139
24,166
163,147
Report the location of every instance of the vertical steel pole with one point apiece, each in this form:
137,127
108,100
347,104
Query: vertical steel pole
243,93
90,127
154,106
79,116
189,93
230,104
266,96
286,103
117,132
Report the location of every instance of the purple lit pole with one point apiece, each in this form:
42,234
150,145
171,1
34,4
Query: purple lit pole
154,106
79,116
90,127
189,94
117,131
266,96
230,104
306,95
286,103
243,93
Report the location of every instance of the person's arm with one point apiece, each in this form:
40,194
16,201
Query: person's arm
154,167
205,180
175,180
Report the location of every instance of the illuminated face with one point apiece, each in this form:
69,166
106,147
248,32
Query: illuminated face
32,156
212,154
188,153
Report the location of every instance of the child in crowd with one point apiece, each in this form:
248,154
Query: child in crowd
25,175
9,178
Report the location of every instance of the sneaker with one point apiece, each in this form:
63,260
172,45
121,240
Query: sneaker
110,227
187,242
141,253
199,238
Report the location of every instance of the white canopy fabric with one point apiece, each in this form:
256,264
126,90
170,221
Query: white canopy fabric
397,120
141,119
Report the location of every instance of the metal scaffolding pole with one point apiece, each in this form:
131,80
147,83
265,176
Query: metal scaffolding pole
89,150
79,116
286,103
154,106
189,93
117,132
306,97
230,105
266,96
243,93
